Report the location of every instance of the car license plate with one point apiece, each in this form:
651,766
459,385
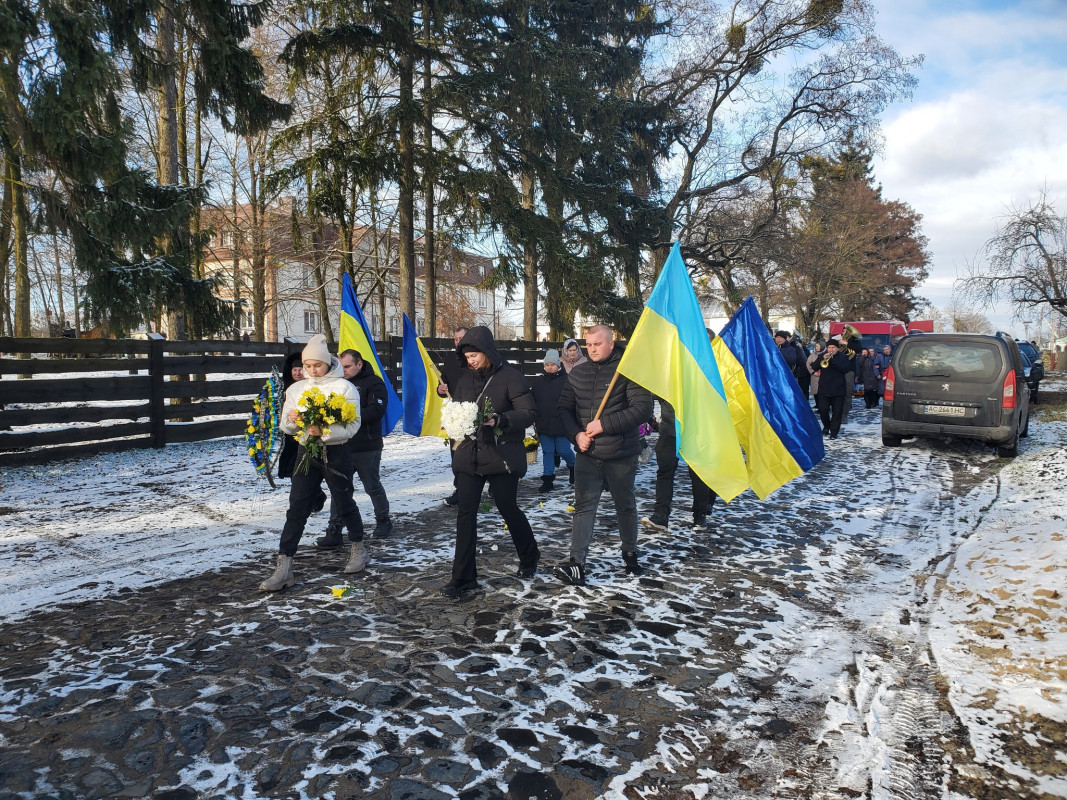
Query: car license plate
946,411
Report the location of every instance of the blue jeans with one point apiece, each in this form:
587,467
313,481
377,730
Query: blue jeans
550,445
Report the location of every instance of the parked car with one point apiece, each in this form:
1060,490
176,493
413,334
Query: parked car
1037,370
957,385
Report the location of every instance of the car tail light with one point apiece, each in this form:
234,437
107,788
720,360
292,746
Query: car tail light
1007,399
890,380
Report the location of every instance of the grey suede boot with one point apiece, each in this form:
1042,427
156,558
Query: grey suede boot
357,559
282,577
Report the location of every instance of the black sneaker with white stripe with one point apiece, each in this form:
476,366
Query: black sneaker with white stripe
570,572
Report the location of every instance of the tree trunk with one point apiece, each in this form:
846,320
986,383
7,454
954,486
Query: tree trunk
20,246
59,282
6,251
429,256
529,267
406,154
168,140
236,262
258,261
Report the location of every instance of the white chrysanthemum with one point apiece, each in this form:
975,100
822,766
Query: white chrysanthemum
458,419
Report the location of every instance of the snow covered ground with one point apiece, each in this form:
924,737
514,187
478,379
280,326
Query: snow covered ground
967,591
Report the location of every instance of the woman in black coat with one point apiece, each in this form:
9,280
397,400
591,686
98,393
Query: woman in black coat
831,397
495,453
292,371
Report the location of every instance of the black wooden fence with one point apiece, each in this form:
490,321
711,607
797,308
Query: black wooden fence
61,398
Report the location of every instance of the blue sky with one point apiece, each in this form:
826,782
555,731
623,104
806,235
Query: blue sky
986,129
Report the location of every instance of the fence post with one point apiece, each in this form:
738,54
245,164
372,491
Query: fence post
155,393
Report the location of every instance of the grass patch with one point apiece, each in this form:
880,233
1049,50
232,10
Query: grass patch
1051,406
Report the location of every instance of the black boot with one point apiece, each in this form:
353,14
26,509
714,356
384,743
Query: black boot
632,567
546,483
570,479
333,540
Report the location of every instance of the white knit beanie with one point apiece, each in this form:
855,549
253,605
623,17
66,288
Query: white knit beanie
316,350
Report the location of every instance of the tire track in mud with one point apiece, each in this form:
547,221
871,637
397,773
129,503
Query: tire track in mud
886,709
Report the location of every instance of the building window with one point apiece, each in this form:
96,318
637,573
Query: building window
420,290
483,298
312,322
394,326
246,320
227,238
308,278
420,326
448,265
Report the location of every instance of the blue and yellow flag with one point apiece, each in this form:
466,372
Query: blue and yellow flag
671,356
419,379
355,335
774,422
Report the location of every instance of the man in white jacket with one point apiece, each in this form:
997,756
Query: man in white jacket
322,370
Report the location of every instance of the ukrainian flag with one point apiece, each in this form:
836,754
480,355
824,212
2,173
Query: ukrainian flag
355,335
419,379
670,355
774,423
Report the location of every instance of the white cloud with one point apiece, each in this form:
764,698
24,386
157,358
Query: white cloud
987,130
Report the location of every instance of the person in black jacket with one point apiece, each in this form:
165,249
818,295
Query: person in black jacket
452,366
293,371
830,398
366,448
547,389
666,468
495,453
608,448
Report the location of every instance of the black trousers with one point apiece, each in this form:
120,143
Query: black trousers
871,398
830,411
505,489
666,468
305,488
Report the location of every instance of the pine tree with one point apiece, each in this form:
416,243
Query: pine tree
538,86
61,85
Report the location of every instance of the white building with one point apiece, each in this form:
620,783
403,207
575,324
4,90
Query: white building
298,262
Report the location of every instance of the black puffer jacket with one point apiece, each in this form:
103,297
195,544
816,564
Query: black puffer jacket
372,402
287,458
832,377
628,406
547,389
509,394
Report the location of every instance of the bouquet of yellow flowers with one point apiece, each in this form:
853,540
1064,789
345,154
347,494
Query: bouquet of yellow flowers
319,411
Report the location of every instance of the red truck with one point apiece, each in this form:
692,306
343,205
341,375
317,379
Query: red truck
879,333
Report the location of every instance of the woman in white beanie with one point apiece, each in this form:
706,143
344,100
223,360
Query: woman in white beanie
322,370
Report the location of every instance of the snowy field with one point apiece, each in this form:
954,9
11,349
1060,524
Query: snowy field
985,567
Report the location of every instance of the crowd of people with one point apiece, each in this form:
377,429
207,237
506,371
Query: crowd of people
586,414
831,372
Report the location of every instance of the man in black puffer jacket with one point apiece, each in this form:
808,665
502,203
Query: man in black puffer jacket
608,448
365,446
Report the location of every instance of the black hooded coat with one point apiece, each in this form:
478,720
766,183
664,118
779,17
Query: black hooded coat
509,396
287,458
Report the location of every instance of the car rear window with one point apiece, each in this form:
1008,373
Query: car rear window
951,360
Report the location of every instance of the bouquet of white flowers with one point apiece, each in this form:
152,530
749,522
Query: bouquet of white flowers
459,419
